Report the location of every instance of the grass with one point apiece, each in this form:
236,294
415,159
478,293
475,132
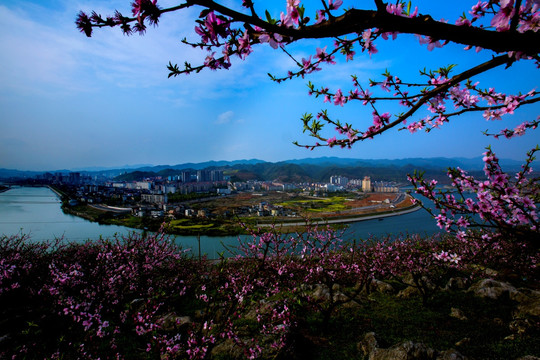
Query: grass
395,320
332,204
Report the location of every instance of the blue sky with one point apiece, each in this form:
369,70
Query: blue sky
68,101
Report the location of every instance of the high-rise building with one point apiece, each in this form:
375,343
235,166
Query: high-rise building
366,184
216,175
203,175
185,176
338,180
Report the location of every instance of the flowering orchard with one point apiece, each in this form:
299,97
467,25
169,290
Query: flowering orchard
146,298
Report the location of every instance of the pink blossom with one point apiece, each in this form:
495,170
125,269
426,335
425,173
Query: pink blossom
273,39
339,99
332,141
479,9
334,4
432,44
501,20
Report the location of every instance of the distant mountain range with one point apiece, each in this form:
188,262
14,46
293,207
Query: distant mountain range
309,169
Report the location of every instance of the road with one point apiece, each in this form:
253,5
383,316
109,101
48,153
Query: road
348,219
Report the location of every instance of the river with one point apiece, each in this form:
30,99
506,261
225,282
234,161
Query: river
36,211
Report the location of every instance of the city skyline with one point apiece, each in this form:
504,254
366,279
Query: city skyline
72,102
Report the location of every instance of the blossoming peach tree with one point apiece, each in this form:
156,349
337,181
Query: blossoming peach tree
506,28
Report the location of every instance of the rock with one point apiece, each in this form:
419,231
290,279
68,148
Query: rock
408,293
519,326
450,355
510,337
368,344
457,284
321,292
458,314
227,349
381,287
491,272
409,280
529,303
407,350
523,295
351,304
170,321
5,338
492,289
341,297
463,342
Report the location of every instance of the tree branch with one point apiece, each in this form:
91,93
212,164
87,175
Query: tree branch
356,21
488,65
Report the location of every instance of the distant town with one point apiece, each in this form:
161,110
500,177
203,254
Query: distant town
200,200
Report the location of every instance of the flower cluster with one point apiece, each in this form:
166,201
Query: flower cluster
505,206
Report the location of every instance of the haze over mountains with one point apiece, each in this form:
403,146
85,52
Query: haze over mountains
308,169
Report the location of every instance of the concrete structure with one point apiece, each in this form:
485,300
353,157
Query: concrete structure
384,187
154,198
338,180
366,184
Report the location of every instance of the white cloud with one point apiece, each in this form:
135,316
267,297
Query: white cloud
225,118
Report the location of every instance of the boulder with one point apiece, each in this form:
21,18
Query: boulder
381,287
463,342
321,292
408,292
457,283
406,350
368,344
409,280
519,326
458,314
171,321
493,289
450,355
228,349
528,303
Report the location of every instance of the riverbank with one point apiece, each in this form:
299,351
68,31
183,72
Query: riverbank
347,219
195,227
217,227
335,211
58,193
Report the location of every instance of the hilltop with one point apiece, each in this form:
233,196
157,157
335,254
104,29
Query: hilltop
307,169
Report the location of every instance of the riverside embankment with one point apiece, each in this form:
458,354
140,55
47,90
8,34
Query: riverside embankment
347,219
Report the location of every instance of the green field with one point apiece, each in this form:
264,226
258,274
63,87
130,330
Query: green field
178,225
331,204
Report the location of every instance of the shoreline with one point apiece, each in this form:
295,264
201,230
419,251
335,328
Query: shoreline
225,228
346,220
234,231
